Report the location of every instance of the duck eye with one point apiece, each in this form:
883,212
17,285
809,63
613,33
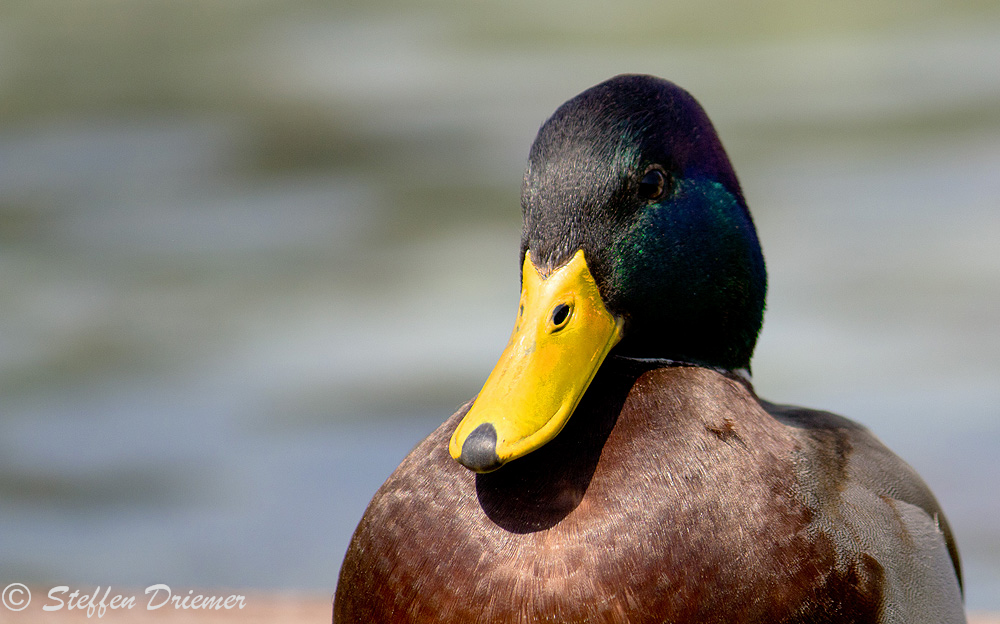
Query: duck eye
560,316
653,185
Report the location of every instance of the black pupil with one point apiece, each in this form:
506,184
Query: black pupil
559,314
651,185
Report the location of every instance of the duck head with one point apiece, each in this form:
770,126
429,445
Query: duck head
636,242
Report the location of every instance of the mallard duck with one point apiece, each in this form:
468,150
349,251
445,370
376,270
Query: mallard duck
617,465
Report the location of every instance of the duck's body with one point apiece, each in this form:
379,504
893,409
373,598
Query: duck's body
672,494
678,497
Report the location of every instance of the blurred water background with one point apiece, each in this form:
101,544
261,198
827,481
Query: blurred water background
251,252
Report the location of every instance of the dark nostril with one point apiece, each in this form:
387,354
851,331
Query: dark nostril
560,314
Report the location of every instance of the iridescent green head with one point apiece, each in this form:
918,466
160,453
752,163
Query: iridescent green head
632,172
636,242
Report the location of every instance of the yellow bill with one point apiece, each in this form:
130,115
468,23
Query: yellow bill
562,335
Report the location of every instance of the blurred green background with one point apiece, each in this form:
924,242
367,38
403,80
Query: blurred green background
251,252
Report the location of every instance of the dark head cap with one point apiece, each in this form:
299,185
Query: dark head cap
633,172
